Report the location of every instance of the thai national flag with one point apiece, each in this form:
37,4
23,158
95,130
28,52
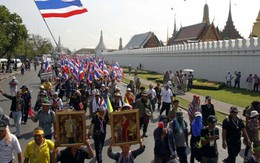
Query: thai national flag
60,8
81,73
47,67
105,70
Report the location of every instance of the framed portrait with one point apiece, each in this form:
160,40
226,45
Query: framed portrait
125,127
70,128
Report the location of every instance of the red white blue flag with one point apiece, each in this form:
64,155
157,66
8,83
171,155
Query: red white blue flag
60,8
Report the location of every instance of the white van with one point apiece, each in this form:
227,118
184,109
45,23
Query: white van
18,61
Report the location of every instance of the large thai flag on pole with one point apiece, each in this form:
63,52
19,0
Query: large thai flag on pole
60,8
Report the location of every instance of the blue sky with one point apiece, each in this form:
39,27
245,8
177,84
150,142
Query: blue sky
125,18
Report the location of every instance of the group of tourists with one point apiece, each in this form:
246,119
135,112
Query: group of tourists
171,137
179,81
252,81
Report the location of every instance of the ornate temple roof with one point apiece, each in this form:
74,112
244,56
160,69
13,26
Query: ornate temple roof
230,32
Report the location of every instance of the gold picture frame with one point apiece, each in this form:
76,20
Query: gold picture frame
125,127
70,128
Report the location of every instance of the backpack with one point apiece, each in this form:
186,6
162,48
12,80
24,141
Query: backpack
55,104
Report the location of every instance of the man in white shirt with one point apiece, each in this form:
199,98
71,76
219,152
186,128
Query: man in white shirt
229,78
151,95
8,143
167,99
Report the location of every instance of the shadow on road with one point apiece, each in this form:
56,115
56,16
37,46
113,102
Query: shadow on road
26,136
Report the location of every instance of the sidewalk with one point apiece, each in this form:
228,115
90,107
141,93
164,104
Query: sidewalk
219,106
8,75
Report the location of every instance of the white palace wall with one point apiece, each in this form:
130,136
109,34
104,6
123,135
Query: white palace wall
209,60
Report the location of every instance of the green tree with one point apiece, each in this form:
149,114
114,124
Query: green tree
42,45
12,31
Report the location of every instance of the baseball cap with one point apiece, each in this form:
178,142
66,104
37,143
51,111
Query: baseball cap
233,109
212,119
3,125
197,114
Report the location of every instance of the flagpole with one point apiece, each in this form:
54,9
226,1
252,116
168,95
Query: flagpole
46,25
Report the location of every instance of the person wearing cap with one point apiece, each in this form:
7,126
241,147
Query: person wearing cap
117,102
145,112
180,135
232,126
167,99
126,155
13,86
207,109
164,149
75,99
9,144
98,128
196,127
129,97
73,154
252,128
46,118
16,110
194,107
56,102
151,95
40,149
26,96
40,92
209,136
41,97
255,157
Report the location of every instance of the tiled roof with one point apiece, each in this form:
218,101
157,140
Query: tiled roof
138,41
190,32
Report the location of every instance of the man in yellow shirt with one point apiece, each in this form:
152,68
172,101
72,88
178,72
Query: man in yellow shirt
39,149
47,85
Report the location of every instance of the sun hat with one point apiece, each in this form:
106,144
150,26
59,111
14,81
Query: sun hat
253,113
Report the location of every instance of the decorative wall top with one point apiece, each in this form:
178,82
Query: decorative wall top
235,45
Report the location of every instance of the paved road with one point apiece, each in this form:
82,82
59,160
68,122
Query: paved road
32,81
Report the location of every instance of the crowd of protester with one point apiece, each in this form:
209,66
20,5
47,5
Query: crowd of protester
171,137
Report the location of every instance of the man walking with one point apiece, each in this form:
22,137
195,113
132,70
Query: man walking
46,118
167,100
9,143
39,149
164,149
231,135
209,136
